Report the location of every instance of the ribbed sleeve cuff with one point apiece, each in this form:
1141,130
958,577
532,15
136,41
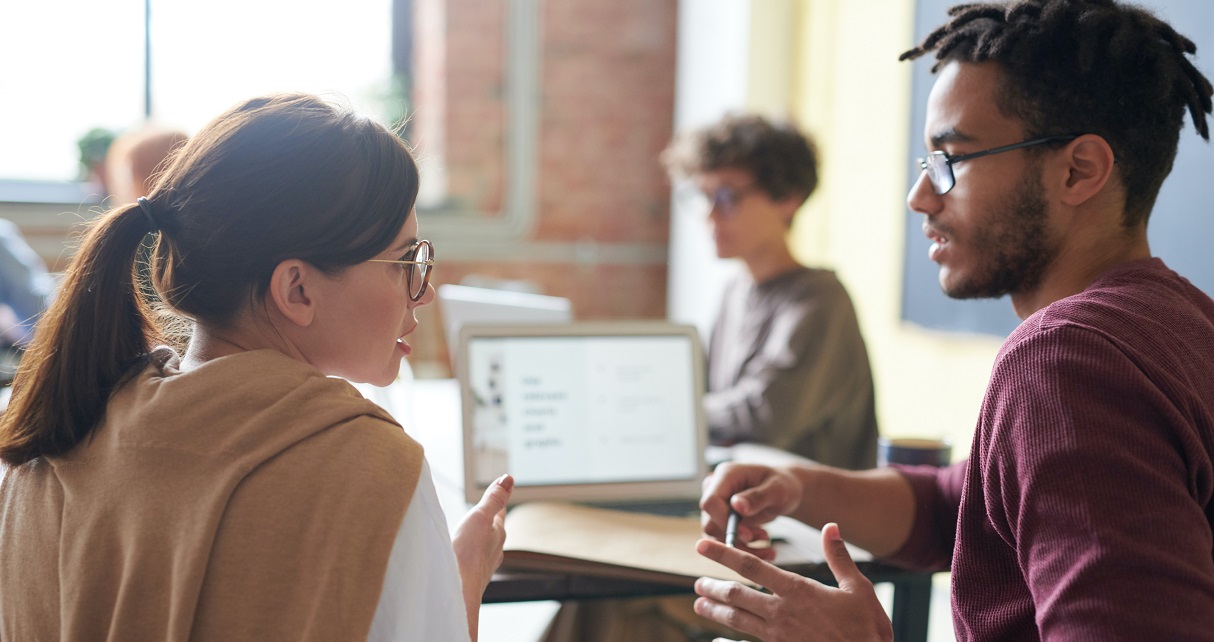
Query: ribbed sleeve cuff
937,493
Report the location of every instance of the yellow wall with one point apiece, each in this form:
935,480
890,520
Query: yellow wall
832,65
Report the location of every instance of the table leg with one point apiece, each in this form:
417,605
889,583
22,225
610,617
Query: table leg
912,603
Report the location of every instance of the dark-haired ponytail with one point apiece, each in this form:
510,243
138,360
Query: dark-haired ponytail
274,178
95,334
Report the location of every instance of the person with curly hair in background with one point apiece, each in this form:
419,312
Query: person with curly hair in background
787,364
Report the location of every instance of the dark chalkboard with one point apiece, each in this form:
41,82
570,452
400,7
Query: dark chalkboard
1182,225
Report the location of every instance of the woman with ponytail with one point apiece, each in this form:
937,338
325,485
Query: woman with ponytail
238,490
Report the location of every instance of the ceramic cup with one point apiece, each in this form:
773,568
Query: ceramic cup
913,451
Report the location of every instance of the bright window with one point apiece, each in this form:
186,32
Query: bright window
68,66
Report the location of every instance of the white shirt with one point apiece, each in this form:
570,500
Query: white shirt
422,598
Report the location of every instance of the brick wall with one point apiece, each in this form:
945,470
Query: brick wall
601,225
607,77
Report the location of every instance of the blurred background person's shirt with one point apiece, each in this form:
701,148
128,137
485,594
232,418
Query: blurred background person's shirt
25,287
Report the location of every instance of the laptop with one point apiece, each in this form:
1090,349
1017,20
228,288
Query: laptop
461,305
606,413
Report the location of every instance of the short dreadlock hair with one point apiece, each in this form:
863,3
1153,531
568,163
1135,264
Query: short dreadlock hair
783,161
1087,67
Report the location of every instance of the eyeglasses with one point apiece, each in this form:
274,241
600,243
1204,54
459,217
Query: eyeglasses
417,262
724,199
939,165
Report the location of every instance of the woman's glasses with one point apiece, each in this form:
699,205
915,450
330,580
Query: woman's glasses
417,262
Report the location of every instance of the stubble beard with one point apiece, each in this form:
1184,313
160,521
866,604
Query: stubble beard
1013,247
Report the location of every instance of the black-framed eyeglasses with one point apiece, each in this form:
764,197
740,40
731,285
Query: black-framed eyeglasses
939,165
418,263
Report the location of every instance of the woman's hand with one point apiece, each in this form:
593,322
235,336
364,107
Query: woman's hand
478,545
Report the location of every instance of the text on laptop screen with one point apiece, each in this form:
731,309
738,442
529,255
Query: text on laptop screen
583,409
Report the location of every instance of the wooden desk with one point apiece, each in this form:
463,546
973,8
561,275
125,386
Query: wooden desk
430,412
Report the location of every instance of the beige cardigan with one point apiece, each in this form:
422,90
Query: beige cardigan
250,499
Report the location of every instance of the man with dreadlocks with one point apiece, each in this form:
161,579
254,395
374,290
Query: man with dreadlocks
1086,508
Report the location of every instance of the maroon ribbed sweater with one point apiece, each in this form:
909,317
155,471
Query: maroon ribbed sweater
1085,510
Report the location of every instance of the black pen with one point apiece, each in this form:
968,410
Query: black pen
731,528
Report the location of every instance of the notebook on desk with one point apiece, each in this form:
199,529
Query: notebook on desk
600,413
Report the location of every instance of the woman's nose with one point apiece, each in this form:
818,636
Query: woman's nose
426,298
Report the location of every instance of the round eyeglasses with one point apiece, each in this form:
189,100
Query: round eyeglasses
417,262
939,165
724,199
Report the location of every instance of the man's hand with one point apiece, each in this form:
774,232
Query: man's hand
758,493
797,608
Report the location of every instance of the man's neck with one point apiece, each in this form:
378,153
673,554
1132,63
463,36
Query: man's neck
1076,266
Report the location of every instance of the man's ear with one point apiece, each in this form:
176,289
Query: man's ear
292,291
1089,167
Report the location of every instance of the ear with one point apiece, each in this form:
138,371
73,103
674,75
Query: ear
292,291
1089,163
789,206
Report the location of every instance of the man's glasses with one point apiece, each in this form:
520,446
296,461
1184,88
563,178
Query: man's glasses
725,199
417,262
939,165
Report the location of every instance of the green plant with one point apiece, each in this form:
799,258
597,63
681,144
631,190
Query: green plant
93,146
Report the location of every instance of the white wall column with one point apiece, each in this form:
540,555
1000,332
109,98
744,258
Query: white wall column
713,52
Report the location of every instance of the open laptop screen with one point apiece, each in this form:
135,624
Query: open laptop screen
585,411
